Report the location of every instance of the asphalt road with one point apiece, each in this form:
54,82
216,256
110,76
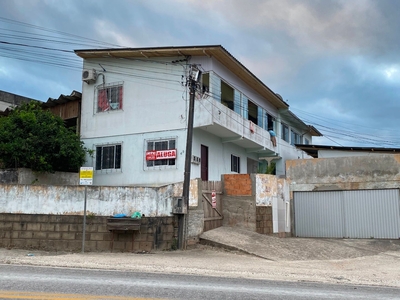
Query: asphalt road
28,282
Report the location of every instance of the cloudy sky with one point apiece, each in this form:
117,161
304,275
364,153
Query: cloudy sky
336,62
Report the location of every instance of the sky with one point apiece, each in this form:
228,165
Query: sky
335,62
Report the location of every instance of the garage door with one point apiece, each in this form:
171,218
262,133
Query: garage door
348,214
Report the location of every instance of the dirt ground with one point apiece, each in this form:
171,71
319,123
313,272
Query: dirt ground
381,269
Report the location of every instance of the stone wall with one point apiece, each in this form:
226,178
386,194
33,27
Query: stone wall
64,233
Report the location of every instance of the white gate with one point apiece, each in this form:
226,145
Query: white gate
348,214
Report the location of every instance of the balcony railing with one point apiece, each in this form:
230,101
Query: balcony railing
218,119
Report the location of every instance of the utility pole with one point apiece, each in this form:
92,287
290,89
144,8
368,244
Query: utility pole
194,75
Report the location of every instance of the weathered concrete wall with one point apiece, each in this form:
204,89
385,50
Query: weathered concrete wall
239,211
26,176
266,189
64,233
101,201
344,173
196,213
245,195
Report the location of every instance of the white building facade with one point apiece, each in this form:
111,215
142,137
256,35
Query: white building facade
135,105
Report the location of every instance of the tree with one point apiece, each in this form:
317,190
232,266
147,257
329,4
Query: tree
31,137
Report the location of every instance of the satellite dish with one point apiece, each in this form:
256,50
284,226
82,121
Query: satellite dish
279,96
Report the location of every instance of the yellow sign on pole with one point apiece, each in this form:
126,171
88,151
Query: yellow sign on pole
86,176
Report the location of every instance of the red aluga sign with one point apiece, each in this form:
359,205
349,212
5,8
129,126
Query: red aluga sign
160,154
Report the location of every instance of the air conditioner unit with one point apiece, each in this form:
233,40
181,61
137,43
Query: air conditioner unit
89,76
195,160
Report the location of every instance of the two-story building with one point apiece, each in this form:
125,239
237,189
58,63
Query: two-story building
135,104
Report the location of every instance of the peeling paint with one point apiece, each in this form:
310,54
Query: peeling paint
101,201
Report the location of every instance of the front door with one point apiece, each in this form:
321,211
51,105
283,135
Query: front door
204,163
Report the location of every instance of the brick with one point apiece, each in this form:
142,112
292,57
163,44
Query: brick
33,226
79,236
150,237
61,227
25,235
75,246
167,237
119,246
18,243
42,218
5,234
91,228
54,218
11,217
5,226
90,246
54,235
103,246
39,235
97,236
107,236
102,228
169,228
75,228
68,236
18,226
145,246
61,245
33,244
141,237
46,227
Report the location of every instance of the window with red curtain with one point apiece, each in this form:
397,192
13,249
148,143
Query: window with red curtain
109,97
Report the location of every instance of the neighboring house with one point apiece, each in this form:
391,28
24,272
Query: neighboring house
9,100
68,108
135,104
322,151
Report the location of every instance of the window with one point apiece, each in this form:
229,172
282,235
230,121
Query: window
109,97
156,151
285,132
108,157
227,95
235,163
306,141
270,122
205,79
253,112
294,138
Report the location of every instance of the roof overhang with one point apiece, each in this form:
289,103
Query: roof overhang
215,51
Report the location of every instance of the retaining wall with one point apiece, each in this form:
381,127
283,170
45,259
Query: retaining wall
64,233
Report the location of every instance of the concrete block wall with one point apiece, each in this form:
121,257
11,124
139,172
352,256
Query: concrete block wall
64,233
264,220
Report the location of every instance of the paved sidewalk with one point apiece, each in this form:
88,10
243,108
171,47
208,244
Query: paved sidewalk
295,249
